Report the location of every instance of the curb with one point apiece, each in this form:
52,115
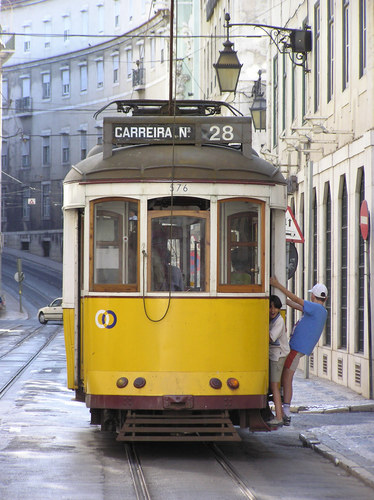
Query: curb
362,407
311,441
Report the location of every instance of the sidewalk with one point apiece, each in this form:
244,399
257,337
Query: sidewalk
348,446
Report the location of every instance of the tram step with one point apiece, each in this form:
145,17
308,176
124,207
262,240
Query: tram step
182,426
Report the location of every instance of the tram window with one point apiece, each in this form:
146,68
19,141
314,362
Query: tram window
178,252
115,244
240,245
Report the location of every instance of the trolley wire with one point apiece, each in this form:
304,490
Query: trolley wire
172,108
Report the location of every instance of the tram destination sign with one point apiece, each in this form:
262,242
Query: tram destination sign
124,133
133,133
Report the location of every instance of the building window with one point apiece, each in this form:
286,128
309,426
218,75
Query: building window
83,77
275,101
4,194
47,33
5,94
100,18
284,91
65,143
25,204
362,34
345,43
46,153
328,264
4,155
115,61
360,342
46,86
83,144
100,73
27,38
66,21
84,21
99,130
294,92
153,52
343,267
65,79
25,152
46,201
116,13
330,49
315,237
162,49
129,63
317,55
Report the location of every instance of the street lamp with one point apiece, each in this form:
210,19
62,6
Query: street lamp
228,66
295,43
258,108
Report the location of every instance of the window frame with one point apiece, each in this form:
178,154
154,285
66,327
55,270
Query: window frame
245,288
154,214
111,287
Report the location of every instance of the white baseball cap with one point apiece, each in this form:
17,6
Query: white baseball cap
319,290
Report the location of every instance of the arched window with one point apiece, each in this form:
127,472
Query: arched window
361,277
328,270
343,268
315,239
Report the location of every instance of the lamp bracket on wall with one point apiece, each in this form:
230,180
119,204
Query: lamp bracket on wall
294,42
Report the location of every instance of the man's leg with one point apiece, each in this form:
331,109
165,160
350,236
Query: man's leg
287,377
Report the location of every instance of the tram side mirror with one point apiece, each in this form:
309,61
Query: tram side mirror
292,259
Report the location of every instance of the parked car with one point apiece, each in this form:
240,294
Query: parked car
52,312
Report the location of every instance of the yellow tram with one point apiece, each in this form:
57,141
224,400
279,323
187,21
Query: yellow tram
171,231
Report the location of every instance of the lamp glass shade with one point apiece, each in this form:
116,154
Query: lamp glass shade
228,68
258,112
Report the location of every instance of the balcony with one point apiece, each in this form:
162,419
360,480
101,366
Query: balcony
24,105
138,78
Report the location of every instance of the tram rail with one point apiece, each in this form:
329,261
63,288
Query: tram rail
5,386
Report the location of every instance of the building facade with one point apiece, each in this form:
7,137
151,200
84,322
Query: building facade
71,60
322,133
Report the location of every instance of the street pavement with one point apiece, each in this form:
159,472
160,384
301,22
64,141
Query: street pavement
348,446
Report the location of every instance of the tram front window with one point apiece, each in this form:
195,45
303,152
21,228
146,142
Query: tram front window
177,252
240,245
115,243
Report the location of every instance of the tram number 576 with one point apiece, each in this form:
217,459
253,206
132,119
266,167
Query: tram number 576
178,188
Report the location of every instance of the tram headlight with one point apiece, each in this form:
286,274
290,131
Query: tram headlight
233,383
139,382
122,382
215,383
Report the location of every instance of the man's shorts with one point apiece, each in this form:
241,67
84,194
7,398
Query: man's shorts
293,359
276,368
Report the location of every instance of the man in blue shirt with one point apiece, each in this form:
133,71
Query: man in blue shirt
305,335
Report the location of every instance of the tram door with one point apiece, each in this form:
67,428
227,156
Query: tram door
178,252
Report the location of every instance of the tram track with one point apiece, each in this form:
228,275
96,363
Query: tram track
21,341
231,471
142,489
7,384
136,471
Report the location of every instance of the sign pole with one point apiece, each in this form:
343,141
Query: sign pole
20,279
364,228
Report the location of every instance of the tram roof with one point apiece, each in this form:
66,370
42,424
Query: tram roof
147,162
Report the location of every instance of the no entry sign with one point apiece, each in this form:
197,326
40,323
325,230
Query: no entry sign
364,220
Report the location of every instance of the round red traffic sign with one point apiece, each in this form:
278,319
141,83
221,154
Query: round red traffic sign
364,220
